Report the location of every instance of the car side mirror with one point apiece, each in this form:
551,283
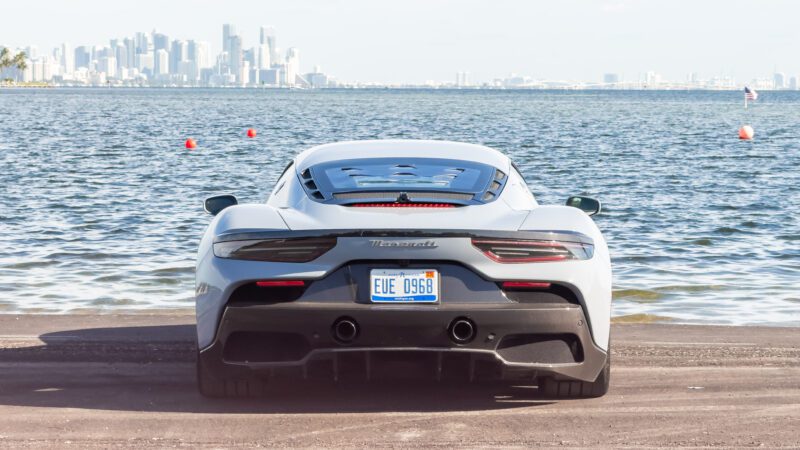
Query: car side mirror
588,205
213,205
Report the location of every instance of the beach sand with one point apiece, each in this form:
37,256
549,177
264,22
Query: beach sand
91,381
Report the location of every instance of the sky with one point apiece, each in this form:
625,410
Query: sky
412,41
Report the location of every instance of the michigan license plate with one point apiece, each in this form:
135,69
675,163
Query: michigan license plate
404,286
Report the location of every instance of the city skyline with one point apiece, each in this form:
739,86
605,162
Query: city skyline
155,59
415,41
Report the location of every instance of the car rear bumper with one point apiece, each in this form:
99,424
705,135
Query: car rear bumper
511,341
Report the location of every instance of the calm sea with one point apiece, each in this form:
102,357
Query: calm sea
101,204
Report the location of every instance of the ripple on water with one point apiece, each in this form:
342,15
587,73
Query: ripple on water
637,295
111,222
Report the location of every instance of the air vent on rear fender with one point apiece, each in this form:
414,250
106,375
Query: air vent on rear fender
495,187
310,185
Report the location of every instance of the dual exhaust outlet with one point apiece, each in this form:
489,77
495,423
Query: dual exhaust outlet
461,330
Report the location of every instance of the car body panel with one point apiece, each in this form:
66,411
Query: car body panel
514,214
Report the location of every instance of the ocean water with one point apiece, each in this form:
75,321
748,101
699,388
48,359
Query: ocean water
101,205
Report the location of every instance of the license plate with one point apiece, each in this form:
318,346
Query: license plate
404,286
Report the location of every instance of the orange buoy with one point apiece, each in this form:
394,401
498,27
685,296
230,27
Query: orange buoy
251,132
746,132
191,143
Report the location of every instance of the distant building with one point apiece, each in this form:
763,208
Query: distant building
264,58
199,52
228,31
161,62
462,79
145,63
267,37
236,57
67,58
292,65
793,83
108,65
179,52
652,79
83,56
778,80
611,79
160,42
32,52
317,79
270,77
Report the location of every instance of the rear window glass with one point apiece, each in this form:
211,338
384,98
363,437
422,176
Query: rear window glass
324,181
419,174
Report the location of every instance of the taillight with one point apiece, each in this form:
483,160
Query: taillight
402,205
275,250
528,251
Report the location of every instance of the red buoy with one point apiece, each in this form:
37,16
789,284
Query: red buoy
746,132
251,132
191,143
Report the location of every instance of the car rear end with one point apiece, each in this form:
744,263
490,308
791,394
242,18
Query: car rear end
374,304
418,266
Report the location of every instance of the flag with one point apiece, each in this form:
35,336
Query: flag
750,94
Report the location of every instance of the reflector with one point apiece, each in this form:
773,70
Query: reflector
526,285
280,283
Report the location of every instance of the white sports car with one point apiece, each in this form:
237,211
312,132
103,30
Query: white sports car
397,258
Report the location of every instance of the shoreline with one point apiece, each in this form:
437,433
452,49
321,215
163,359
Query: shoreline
45,85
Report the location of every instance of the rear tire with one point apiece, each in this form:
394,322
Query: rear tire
566,389
212,386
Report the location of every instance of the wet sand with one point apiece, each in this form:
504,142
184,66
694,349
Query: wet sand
128,380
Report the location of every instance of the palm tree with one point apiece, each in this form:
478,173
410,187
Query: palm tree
18,61
5,61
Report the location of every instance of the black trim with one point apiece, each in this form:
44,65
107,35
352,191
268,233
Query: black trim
406,330
555,235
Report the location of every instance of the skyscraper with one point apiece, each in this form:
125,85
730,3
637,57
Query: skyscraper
160,42
292,65
201,55
267,37
83,56
179,52
143,42
236,57
130,52
161,62
67,58
228,31
779,80
264,57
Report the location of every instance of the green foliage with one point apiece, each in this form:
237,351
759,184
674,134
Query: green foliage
17,60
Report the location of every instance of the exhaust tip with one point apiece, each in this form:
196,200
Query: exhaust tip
345,330
462,330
